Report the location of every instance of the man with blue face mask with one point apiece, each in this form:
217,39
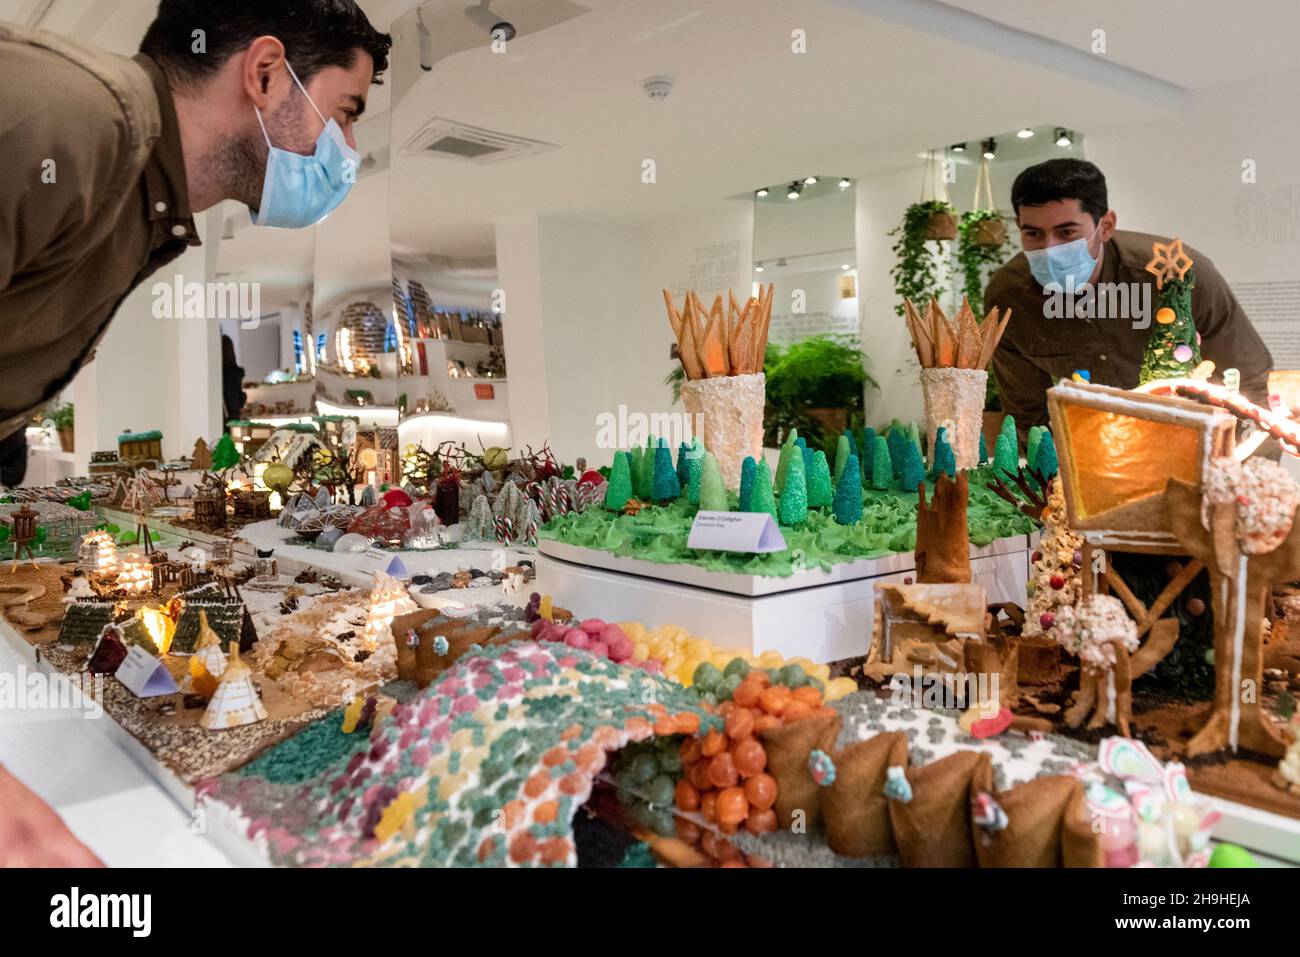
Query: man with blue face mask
108,159
1081,298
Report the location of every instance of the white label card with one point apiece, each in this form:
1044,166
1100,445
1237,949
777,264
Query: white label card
735,532
144,675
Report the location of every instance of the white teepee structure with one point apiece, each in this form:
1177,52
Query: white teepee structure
236,702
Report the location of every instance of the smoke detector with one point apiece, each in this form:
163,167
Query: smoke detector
658,87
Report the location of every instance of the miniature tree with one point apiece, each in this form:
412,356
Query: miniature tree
897,440
783,462
713,494
748,471
645,485
619,488
683,465
912,472
820,492
634,469
1172,350
696,463
1032,440
843,448
792,509
1046,463
225,455
914,435
882,468
848,493
665,484
201,457
763,500
1055,581
1006,457
866,453
944,459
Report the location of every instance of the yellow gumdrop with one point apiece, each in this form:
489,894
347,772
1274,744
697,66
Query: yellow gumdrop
821,672
634,630
640,651
721,659
837,689
672,664
770,659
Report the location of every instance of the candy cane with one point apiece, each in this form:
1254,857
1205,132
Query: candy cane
1269,423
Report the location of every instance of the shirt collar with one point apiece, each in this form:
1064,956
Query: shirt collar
166,190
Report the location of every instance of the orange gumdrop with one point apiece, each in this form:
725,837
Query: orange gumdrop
590,758
753,860
709,805
746,693
765,722
727,852
686,796
698,775
514,812
690,751
714,743
688,722
760,791
731,827
546,812
760,676
687,830
761,821
709,844
740,724
537,784
555,851
665,727
809,695
774,700
555,756
722,771
724,709
523,847
575,783
733,808
487,849
796,710
749,757
825,711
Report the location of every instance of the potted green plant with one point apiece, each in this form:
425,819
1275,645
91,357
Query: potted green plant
977,257
915,273
64,422
814,386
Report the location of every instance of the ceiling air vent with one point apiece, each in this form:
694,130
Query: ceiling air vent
451,140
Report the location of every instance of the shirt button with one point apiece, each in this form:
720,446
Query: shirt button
1102,357
160,206
179,230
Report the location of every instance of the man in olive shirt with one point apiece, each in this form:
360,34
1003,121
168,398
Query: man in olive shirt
1081,321
108,158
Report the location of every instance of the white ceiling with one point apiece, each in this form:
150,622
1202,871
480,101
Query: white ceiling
880,82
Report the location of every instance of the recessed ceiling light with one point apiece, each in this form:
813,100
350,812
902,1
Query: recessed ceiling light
959,147
990,148
846,266
794,191
758,268
845,183
760,193
1063,137
810,180
1025,133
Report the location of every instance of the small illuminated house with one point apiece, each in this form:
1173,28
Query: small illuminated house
140,446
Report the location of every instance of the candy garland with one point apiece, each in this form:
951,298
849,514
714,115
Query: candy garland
1285,430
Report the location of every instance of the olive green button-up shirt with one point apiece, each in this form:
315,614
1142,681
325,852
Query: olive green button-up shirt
92,202
1043,344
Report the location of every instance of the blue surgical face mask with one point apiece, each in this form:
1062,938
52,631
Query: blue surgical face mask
1068,265
299,190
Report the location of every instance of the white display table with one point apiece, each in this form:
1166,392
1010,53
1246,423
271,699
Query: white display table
816,614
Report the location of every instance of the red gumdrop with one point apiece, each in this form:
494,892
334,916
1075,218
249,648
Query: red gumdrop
577,638
395,498
539,626
1057,582
1046,620
593,626
599,649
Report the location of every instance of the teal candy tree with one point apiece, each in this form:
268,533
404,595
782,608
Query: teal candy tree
820,492
695,464
619,489
944,459
882,466
867,452
748,471
897,439
1006,458
912,472
984,450
665,484
1046,463
788,450
1034,437
843,447
793,507
848,494
1173,348
763,500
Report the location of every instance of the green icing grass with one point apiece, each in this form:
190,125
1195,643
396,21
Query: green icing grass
309,753
888,526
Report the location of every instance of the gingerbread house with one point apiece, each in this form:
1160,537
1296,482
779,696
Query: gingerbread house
140,446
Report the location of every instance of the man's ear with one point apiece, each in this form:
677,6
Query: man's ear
263,75
1107,226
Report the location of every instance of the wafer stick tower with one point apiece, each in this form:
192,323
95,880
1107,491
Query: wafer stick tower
722,352
954,355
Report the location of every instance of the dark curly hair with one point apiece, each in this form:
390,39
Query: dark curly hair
315,33
1063,178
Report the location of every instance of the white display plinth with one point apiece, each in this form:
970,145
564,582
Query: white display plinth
820,615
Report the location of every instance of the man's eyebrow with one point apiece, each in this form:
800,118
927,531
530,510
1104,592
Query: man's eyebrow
358,103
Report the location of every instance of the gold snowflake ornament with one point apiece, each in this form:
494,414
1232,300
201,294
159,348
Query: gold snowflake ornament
1168,262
